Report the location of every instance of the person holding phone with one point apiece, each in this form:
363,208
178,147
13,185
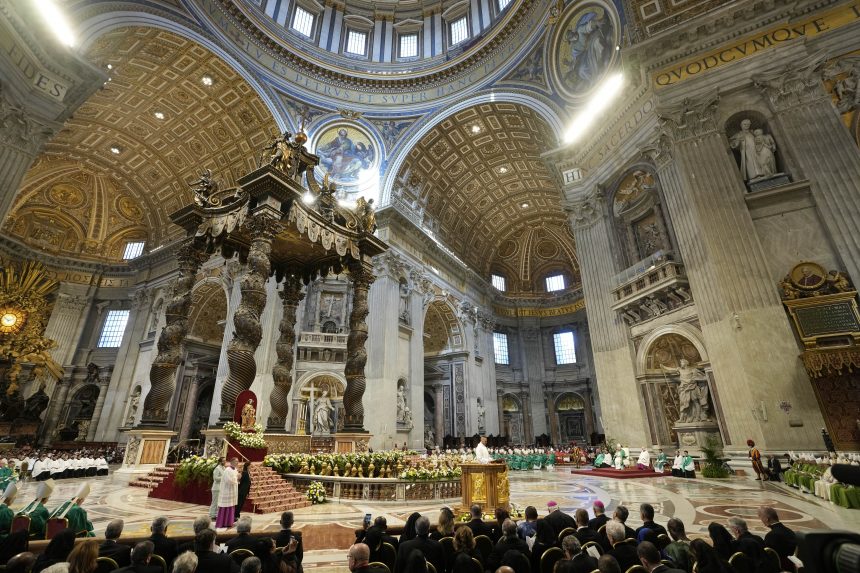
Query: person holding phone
286,536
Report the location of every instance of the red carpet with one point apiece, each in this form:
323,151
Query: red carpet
619,474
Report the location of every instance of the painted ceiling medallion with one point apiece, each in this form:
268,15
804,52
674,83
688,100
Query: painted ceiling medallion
348,154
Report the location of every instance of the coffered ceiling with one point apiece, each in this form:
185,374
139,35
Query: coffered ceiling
489,196
121,165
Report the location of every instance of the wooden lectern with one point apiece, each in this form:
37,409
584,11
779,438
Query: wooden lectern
486,485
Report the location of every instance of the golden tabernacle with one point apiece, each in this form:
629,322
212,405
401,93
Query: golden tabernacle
485,484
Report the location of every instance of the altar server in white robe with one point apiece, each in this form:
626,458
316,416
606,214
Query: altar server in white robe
216,487
228,497
678,465
644,461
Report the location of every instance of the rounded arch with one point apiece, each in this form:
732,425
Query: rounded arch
422,127
569,402
686,331
511,403
334,380
442,329
90,30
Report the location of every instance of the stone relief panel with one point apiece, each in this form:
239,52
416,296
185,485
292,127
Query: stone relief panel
842,81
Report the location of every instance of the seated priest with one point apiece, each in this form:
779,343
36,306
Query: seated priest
36,510
660,462
77,515
7,473
602,460
6,513
644,461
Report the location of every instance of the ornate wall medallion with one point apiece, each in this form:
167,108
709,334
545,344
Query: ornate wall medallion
348,154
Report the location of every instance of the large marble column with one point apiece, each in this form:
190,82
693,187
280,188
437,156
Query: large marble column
246,321
439,414
613,354
747,335
282,373
97,411
66,322
500,403
190,408
162,373
825,151
122,377
356,353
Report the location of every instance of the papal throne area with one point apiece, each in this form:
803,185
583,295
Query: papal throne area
435,286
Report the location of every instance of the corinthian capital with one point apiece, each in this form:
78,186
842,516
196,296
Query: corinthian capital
796,84
390,264
659,150
691,118
586,211
140,298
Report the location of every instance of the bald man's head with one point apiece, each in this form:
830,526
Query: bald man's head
505,569
358,556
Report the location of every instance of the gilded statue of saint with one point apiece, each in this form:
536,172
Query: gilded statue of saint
249,415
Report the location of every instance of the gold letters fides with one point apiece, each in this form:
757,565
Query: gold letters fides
762,41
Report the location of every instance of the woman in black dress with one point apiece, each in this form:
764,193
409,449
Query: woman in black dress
244,487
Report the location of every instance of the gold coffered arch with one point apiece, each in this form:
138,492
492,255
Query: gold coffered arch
487,191
143,137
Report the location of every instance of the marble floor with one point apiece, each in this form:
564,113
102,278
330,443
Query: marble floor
328,528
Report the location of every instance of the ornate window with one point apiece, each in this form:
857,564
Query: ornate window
459,30
133,250
498,282
303,22
408,45
356,43
565,349
555,283
500,348
113,329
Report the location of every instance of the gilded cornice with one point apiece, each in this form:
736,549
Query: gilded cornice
14,249
510,29
712,30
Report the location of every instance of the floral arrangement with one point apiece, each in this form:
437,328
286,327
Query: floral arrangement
386,464
431,474
196,469
253,440
316,493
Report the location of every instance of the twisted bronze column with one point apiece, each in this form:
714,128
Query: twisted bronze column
162,373
282,372
246,320
356,353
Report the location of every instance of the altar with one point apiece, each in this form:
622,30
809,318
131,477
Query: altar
485,484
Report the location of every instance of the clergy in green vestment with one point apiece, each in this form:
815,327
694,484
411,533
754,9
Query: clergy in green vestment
6,513
75,514
7,475
660,463
598,460
36,510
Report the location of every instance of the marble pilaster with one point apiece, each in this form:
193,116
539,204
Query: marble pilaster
747,336
825,151
190,408
613,355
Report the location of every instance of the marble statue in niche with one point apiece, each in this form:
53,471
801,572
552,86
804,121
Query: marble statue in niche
322,414
133,404
404,414
692,392
482,418
404,302
756,154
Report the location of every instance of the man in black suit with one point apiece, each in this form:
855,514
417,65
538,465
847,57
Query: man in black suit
381,525
600,517
558,519
243,539
431,549
509,541
649,556
584,533
646,513
780,538
582,562
140,556
623,551
283,537
619,516
165,547
120,553
477,525
358,560
750,545
199,524
207,559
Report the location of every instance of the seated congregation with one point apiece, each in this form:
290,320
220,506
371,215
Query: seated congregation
554,543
